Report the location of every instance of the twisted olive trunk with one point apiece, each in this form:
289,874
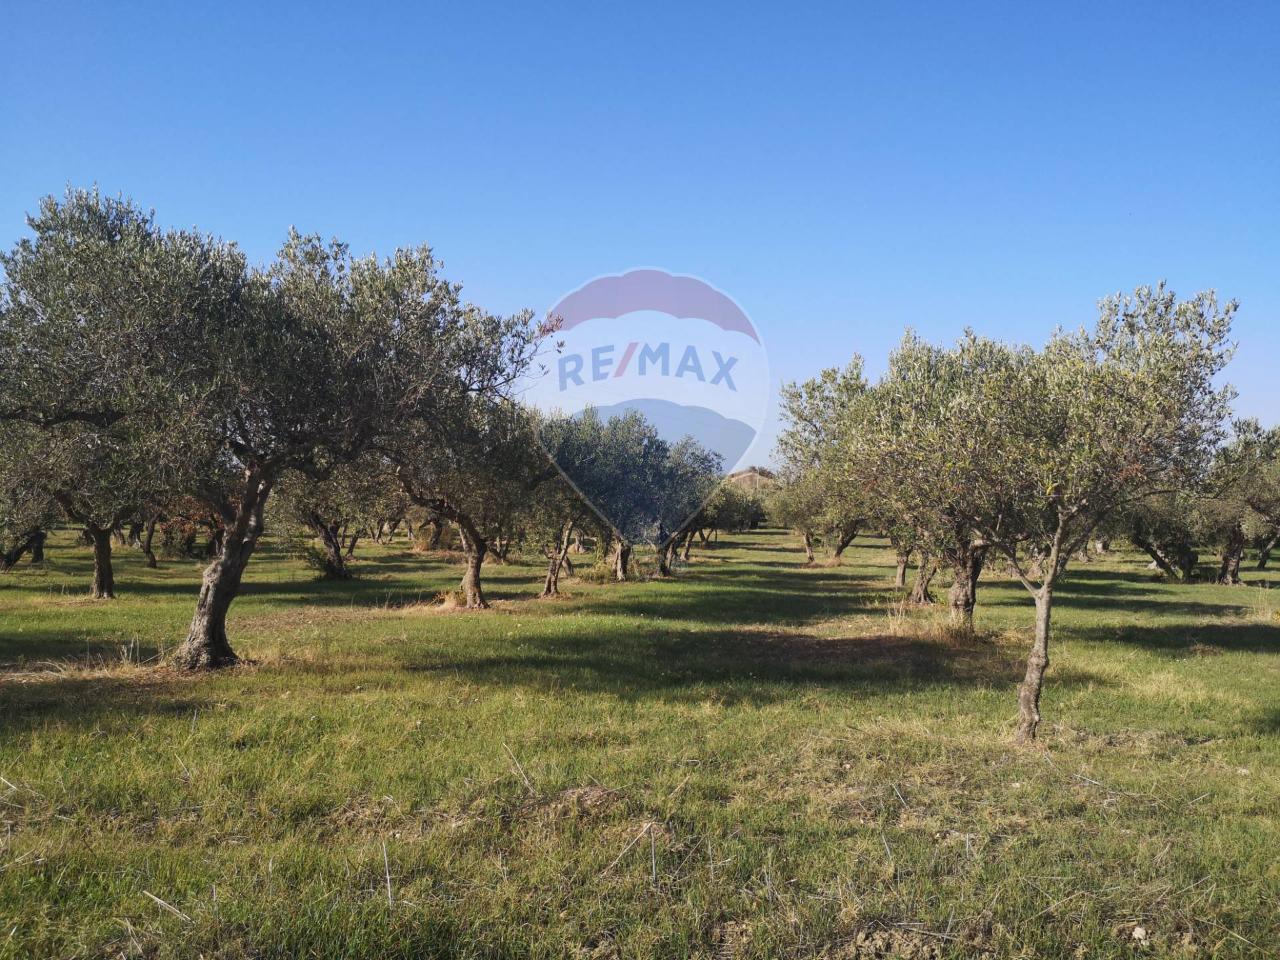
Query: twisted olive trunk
37,546
844,537
147,537
807,539
1051,569
621,561
207,646
104,581
476,548
10,557
1181,566
665,556
557,559
900,573
920,592
1264,555
963,596
472,588
1232,557
335,564
1037,663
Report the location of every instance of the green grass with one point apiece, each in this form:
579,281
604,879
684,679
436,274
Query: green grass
754,760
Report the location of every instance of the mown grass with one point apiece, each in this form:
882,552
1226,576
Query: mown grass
753,760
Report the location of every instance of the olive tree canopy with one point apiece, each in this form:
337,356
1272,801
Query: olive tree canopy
899,448
99,389
1058,440
818,496
327,356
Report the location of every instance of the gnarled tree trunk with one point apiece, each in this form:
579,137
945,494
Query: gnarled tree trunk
37,546
335,563
621,561
557,559
920,592
1037,663
667,556
1232,557
104,581
900,571
148,536
963,596
9,557
206,646
807,539
500,548
844,537
1181,566
475,548
1264,555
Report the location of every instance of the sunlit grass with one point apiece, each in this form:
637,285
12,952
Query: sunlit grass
756,759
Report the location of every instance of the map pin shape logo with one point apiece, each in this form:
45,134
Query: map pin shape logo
659,388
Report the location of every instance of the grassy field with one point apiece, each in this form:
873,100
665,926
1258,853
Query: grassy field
757,759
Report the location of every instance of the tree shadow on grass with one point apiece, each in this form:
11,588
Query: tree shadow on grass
1268,723
781,597
53,644
73,627
33,702
733,666
1190,640
1120,593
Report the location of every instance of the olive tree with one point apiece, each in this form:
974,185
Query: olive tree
98,311
1255,455
821,498
897,447
334,508
1236,503
685,487
557,514
615,465
481,477
98,308
100,478
1163,526
323,357
1058,440
27,507
643,488
560,510
797,502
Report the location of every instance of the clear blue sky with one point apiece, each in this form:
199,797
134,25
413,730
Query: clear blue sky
842,171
